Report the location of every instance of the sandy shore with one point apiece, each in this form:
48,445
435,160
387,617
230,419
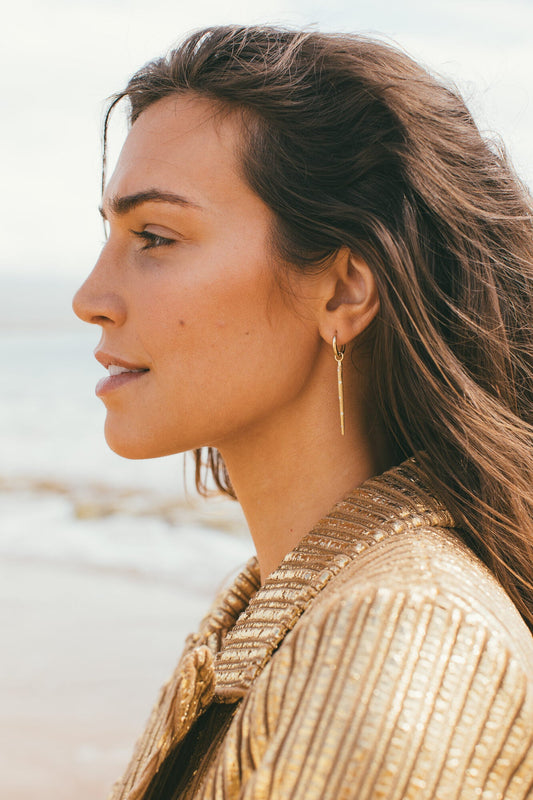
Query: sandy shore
83,655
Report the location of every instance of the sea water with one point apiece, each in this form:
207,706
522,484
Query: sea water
64,496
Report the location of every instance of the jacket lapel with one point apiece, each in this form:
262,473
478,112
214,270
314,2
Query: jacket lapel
381,507
190,689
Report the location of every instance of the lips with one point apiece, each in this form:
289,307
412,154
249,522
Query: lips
108,361
121,373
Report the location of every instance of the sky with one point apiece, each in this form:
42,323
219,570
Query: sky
60,60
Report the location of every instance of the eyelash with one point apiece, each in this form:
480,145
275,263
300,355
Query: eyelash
152,240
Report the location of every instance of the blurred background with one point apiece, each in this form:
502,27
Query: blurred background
105,564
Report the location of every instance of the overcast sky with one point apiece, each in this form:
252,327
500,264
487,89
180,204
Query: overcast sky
60,59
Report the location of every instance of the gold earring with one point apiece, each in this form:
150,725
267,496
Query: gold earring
339,355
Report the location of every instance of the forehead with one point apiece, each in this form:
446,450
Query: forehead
184,144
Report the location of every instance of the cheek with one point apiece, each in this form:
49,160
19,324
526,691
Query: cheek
221,303
228,343
222,361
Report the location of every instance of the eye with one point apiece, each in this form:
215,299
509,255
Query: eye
152,239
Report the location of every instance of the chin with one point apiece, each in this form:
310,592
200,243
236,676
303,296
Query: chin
128,444
131,450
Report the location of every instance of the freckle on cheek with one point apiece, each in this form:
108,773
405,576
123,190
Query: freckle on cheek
181,323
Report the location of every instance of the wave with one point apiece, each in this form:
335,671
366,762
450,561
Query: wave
95,500
122,532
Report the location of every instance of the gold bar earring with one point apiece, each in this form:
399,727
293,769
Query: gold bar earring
339,355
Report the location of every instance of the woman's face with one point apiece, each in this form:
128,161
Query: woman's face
186,290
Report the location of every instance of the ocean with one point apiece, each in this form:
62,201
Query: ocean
94,506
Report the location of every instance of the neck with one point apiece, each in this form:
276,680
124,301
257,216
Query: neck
288,476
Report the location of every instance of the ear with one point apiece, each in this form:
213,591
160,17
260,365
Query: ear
349,298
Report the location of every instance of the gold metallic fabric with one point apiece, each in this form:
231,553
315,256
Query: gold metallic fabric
380,661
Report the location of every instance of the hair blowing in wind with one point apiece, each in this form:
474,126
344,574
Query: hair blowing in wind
351,143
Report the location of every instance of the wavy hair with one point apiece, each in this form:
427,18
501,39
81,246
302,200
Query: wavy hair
351,143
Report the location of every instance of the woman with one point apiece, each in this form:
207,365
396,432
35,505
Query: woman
319,270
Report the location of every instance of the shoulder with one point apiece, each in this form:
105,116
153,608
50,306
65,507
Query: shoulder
431,571
413,669
409,675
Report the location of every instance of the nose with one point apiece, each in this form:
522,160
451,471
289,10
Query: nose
97,300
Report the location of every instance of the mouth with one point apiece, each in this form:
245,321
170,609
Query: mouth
115,369
121,373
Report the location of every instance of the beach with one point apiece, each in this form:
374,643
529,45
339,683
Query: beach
105,564
84,654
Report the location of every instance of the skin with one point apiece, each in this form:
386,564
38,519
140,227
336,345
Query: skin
235,360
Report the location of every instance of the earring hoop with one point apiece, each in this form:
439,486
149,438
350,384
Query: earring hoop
338,353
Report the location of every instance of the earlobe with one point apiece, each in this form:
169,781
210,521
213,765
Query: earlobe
352,301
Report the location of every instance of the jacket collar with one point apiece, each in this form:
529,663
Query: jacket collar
248,622
381,507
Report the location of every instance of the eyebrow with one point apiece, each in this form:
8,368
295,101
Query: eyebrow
122,205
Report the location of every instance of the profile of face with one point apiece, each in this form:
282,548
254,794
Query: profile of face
206,344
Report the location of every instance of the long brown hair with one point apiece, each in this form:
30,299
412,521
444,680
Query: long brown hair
351,143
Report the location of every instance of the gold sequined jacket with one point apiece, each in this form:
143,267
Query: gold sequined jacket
381,660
